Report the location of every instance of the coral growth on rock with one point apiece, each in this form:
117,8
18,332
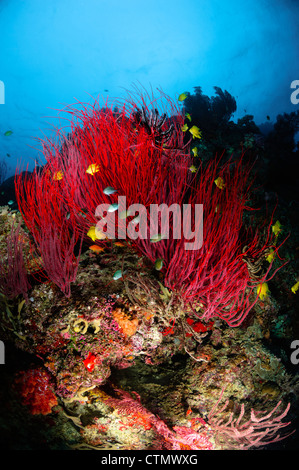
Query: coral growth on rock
138,336
36,390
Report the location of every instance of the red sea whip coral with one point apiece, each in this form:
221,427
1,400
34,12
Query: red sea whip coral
45,213
59,202
140,152
216,277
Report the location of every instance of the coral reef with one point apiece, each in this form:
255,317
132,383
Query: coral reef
36,391
125,352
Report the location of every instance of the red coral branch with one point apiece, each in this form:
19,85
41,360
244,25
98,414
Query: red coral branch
46,214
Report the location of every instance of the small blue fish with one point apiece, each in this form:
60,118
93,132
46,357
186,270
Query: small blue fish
113,207
109,190
118,274
10,203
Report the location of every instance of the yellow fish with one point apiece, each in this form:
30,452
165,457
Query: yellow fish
96,248
295,287
270,256
187,115
96,234
58,175
196,133
93,168
185,128
220,182
92,233
276,228
159,264
193,169
182,96
195,151
262,290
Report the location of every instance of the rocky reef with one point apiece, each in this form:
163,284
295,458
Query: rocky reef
104,369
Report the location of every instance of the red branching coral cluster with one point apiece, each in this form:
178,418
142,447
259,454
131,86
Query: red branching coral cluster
216,276
36,391
45,213
141,155
59,203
